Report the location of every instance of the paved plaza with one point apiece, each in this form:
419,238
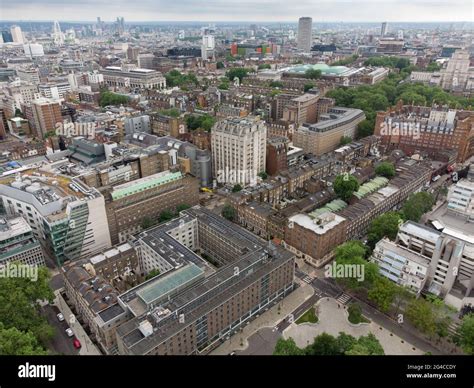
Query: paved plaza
333,320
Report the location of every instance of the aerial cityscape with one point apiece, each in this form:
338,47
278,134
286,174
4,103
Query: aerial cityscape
237,179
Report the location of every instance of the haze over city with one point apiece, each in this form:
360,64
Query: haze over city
242,10
237,178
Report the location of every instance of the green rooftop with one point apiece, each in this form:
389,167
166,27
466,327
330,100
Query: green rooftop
166,284
146,183
333,206
325,69
371,186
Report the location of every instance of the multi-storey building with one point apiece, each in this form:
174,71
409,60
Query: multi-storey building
313,239
129,203
424,129
239,150
186,312
411,178
115,77
66,216
18,243
326,134
44,115
305,39
401,265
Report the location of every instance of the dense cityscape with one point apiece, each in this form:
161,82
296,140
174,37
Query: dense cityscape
236,188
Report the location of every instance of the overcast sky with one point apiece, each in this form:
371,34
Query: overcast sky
239,10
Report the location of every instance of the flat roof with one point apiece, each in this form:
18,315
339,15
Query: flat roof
162,286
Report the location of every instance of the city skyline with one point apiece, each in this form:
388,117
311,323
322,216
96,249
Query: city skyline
233,10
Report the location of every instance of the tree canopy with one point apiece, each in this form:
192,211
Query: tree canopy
239,72
466,333
345,185
417,205
107,98
385,169
205,122
313,74
385,225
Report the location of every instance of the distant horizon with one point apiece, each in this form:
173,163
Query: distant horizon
324,11
236,21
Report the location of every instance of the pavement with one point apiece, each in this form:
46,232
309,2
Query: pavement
333,320
88,348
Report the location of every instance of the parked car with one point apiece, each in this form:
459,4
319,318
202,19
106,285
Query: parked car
69,332
60,317
77,343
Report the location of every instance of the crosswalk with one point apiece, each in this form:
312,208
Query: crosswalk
343,298
308,279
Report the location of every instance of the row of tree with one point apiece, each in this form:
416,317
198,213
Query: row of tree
23,329
328,345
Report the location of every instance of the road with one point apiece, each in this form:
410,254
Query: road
60,343
263,342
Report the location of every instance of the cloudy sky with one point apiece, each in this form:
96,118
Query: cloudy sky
239,10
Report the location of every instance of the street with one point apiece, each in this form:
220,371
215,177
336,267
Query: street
60,343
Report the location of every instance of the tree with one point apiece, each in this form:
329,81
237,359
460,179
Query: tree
152,274
175,78
433,66
263,66
14,342
345,140
228,212
312,74
308,87
205,122
382,293
276,84
146,223
236,188
345,185
324,345
18,113
287,348
263,175
352,254
385,225
365,128
417,205
172,112
420,314
181,207
165,216
19,304
345,342
385,169
367,345
109,98
466,333
239,72
220,65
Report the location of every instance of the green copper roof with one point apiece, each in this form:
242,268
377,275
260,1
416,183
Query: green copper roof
143,184
371,186
325,69
333,206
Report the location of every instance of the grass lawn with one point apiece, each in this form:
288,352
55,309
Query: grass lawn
309,316
355,314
